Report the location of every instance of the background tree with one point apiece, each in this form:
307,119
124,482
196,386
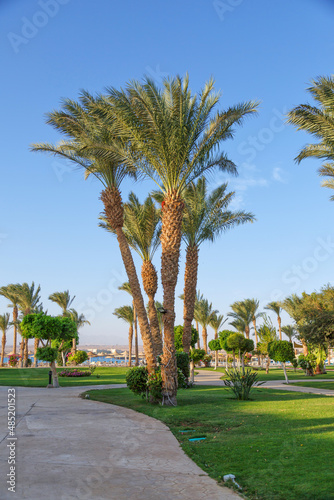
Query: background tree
214,345
204,314
267,333
195,355
277,309
292,305
28,300
290,331
4,325
238,343
243,313
282,351
64,301
222,337
46,329
10,294
318,121
126,288
126,314
178,336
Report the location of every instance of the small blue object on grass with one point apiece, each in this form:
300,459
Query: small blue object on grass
196,439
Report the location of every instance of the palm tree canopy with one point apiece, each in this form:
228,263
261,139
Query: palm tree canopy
142,226
86,133
125,287
292,305
63,299
276,307
10,294
79,319
267,332
28,297
4,322
243,311
174,135
290,331
204,312
217,320
318,121
125,313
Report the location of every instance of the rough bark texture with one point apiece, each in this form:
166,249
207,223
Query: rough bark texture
171,214
21,352
150,284
136,334
198,341
205,339
35,352
3,345
113,211
279,327
25,361
15,314
130,344
255,332
247,332
54,374
74,346
190,284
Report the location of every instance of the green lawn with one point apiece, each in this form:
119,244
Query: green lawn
278,374
318,385
280,445
39,377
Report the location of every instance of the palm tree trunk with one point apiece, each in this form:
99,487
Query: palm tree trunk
205,339
130,344
25,363
198,341
171,214
190,284
136,334
15,314
150,284
305,349
247,332
3,345
22,351
255,332
35,352
74,346
279,326
113,210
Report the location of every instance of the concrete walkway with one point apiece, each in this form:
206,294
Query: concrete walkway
68,448
208,377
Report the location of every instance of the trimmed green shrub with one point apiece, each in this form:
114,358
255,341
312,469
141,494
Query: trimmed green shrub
154,387
178,333
182,361
47,353
136,380
78,358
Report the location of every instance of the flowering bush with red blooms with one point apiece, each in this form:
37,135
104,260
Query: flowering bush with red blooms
13,360
74,373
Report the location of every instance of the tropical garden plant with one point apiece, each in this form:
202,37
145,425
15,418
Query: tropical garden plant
126,314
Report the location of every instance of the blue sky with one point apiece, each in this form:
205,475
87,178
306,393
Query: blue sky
255,50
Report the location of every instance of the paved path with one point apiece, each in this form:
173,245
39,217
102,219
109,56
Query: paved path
68,448
208,377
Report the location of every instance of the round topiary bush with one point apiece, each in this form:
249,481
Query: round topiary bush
136,380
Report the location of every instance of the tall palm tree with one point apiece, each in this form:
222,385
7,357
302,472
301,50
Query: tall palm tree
277,309
79,320
126,314
4,324
87,134
290,331
142,230
318,121
217,321
205,314
174,138
267,333
292,305
243,313
125,287
253,304
29,301
9,293
64,301
205,217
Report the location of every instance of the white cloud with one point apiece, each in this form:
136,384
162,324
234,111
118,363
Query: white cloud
279,175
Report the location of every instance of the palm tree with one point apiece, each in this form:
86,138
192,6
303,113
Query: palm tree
126,288
87,135
290,331
217,321
243,313
4,324
292,305
174,139
253,304
205,217
79,320
277,308
9,293
205,314
126,314
267,333
142,231
318,121
28,301
64,301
